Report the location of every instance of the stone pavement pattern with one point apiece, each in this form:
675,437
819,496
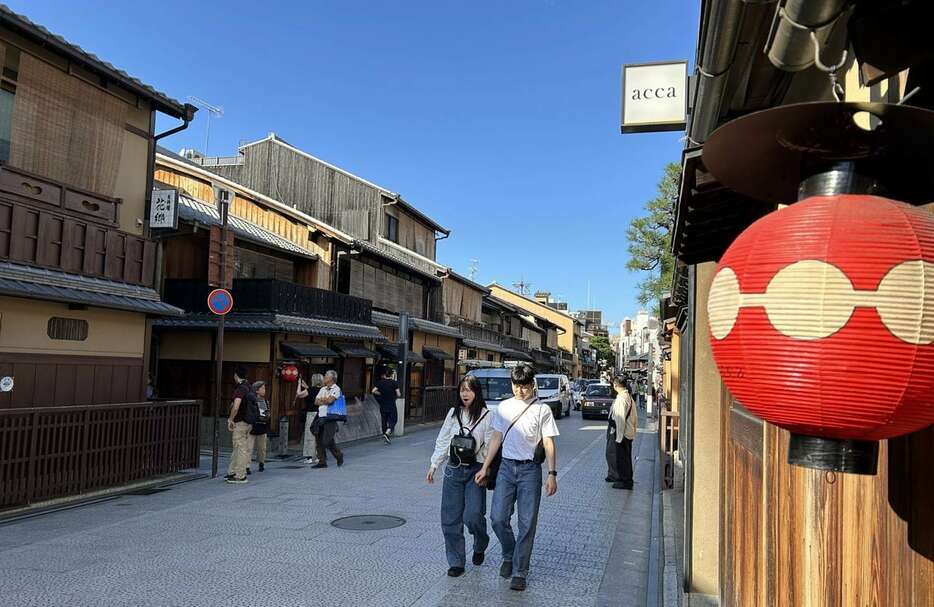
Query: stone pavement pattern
270,542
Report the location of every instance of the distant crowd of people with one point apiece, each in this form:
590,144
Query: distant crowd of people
477,450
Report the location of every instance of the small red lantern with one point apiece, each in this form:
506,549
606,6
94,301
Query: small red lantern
288,373
822,322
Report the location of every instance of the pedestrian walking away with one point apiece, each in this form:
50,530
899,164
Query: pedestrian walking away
621,431
386,392
463,443
243,412
524,430
332,408
261,427
309,447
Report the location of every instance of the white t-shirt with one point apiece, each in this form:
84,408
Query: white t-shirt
535,424
332,390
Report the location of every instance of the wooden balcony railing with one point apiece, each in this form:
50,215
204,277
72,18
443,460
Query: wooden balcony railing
431,403
50,226
479,333
273,296
52,452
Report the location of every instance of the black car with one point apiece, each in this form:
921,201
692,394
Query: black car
597,400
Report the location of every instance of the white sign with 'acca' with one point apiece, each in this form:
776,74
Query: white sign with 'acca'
655,97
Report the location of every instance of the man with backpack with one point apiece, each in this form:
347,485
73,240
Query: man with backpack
525,429
244,412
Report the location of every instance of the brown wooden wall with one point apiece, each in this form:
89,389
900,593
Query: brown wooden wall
792,536
462,301
45,380
35,236
386,289
413,234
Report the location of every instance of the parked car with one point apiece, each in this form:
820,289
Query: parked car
554,390
496,385
598,398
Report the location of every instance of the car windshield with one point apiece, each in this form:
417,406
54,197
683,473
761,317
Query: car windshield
598,390
547,383
496,388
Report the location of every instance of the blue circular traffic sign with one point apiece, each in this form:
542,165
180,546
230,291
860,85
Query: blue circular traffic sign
220,301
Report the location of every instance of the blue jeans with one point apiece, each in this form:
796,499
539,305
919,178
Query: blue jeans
518,485
463,502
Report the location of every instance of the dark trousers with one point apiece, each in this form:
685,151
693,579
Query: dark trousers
325,441
624,461
611,472
389,416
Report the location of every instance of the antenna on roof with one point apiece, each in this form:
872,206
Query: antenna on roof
474,269
523,287
213,110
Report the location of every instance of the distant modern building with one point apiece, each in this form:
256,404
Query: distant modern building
639,351
593,322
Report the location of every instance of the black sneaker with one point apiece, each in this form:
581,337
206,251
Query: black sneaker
262,467
518,583
455,571
340,460
622,486
387,439
227,477
248,471
237,481
610,480
320,465
505,570
478,558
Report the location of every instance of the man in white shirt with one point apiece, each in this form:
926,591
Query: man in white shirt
524,422
329,393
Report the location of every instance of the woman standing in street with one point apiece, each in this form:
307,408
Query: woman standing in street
309,448
462,443
622,431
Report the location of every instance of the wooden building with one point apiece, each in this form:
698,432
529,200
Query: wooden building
758,531
77,263
285,311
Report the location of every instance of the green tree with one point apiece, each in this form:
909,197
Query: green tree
650,239
604,351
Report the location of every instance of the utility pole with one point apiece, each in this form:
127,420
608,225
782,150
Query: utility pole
223,200
404,363
522,286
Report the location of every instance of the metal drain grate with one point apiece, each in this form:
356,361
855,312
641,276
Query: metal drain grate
368,522
147,491
291,467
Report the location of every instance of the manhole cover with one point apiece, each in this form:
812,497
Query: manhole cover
368,522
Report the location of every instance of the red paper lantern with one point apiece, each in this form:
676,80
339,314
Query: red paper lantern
289,373
822,318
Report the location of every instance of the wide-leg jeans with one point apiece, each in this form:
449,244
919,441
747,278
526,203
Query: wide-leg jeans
463,502
519,486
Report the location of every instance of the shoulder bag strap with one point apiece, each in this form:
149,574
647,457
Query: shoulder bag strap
527,407
474,427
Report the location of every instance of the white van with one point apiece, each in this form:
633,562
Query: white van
554,390
496,385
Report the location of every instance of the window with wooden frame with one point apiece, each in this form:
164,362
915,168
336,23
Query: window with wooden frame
68,329
392,228
9,74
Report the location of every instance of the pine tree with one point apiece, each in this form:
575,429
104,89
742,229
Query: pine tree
650,239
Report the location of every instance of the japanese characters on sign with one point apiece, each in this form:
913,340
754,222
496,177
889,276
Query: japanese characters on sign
163,212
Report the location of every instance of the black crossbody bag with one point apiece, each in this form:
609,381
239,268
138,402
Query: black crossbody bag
463,449
496,462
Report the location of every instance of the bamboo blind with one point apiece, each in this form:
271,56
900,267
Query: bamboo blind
66,129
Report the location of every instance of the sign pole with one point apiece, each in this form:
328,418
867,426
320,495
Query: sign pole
404,360
219,342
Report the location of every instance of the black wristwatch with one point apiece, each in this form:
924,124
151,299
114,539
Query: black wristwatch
553,473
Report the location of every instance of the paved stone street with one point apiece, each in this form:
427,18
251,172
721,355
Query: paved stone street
271,542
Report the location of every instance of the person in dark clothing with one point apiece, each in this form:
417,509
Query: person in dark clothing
386,392
623,420
241,438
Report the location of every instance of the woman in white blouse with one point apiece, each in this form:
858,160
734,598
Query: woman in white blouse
462,443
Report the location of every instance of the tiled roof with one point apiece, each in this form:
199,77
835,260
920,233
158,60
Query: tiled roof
384,319
484,345
191,209
38,283
46,38
278,323
409,263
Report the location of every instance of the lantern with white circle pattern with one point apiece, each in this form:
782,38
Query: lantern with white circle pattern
821,320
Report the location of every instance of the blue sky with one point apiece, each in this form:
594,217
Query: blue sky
498,119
